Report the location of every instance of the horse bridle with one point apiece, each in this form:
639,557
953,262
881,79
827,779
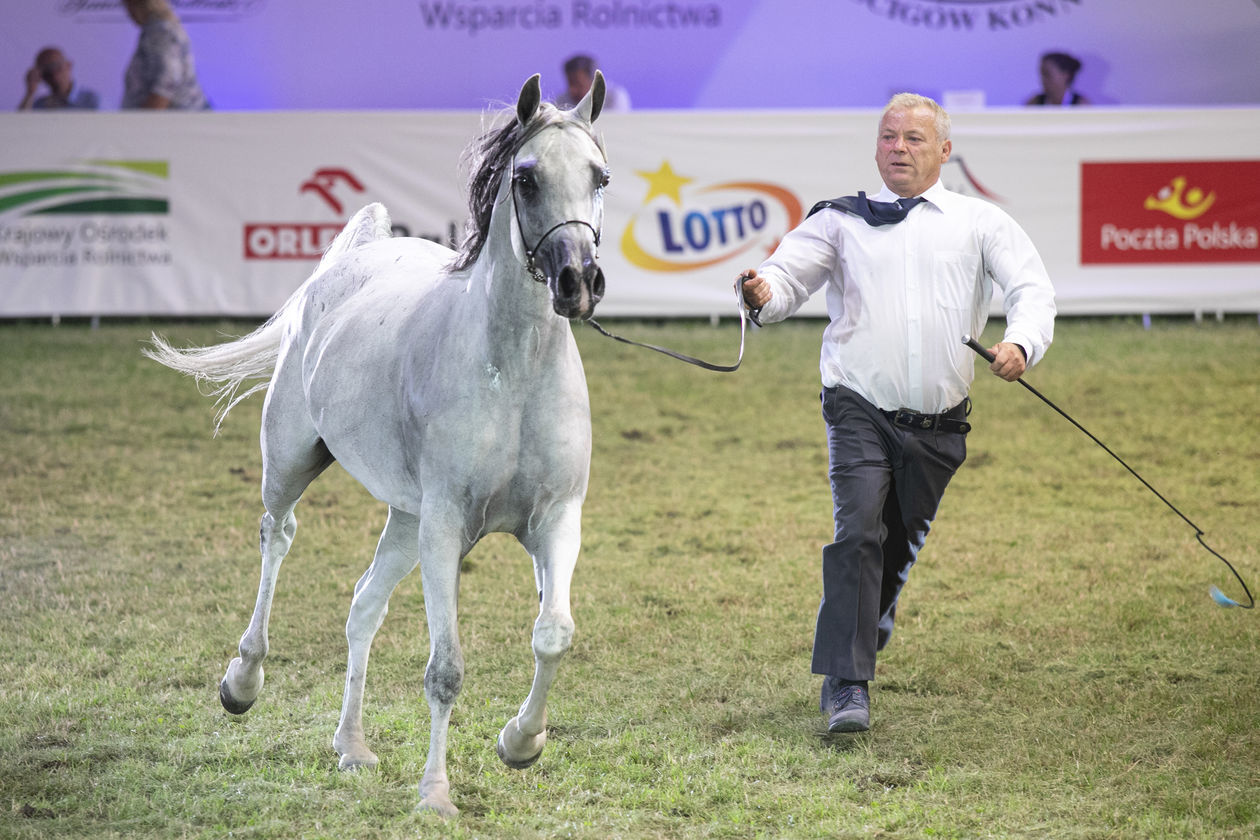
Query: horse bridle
531,264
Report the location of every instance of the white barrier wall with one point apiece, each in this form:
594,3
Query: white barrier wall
226,213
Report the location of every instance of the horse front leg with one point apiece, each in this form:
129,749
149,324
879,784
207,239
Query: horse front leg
555,555
444,675
396,555
243,681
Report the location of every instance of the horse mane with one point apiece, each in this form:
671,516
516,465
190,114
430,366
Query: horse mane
488,158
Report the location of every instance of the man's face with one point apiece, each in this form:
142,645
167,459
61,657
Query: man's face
55,71
579,83
907,151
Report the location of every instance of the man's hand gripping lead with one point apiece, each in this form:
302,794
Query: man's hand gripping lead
755,292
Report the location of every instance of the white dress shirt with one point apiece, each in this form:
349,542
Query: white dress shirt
902,296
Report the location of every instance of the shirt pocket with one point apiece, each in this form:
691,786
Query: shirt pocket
955,275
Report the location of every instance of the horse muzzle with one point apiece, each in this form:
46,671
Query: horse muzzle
574,278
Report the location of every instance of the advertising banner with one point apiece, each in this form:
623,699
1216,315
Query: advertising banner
226,214
1170,212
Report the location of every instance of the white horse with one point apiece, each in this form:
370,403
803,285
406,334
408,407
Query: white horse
450,385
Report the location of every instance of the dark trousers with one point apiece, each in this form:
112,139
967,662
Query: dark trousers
886,485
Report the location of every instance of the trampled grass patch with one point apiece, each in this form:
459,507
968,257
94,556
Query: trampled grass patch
1058,668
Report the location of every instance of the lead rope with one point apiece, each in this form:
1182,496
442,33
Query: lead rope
745,315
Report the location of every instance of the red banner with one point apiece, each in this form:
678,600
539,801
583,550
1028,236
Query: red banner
1170,212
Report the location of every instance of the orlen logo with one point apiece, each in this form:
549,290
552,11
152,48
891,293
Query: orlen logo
303,240
684,226
340,191
1170,212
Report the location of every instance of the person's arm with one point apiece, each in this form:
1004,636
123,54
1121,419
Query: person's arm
802,264
156,102
32,87
1028,297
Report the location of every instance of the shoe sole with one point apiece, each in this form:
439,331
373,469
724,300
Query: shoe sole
848,726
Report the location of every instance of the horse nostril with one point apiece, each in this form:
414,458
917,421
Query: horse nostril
597,284
568,283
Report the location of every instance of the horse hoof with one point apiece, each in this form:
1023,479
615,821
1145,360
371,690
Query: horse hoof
230,703
443,808
515,763
435,798
349,763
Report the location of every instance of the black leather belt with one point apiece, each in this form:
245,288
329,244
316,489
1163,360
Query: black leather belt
953,420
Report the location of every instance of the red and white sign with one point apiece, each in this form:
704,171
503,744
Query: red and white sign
1170,212
289,240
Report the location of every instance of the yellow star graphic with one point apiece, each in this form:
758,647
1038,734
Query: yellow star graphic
664,181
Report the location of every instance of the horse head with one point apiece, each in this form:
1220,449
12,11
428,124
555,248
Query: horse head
557,185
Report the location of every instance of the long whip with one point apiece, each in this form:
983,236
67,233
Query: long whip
1217,595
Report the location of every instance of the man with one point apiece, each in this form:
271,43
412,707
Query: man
579,75
55,70
905,282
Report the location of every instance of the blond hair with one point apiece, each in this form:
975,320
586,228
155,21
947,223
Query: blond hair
910,101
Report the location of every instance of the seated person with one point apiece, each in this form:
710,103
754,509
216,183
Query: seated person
55,70
579,73
1058,71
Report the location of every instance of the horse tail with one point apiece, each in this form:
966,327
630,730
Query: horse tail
221,370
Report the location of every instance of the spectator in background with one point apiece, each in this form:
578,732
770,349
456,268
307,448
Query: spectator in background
161,74
1058,71
55,70
579,73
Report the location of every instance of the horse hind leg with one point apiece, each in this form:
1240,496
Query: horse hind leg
243,681
290,463
522,740
397,553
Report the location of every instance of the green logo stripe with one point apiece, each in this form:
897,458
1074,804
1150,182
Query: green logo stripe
94,186
109,205
158,168
8,202
10,178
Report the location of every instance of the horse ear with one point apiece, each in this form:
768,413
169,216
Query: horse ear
527,102
593,102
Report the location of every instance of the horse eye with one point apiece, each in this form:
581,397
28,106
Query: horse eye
525,180
604,178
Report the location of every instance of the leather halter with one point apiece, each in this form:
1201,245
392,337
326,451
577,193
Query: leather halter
531,264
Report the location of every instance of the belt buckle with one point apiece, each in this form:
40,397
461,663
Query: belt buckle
914,420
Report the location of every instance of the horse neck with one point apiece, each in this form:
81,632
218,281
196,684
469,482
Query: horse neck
519,321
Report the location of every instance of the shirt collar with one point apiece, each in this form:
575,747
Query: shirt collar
934,194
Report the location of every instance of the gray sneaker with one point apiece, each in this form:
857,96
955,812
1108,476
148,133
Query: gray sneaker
846,707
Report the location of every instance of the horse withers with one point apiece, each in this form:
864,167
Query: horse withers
449,384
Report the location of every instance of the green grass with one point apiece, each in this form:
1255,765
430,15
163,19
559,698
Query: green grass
1058,669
